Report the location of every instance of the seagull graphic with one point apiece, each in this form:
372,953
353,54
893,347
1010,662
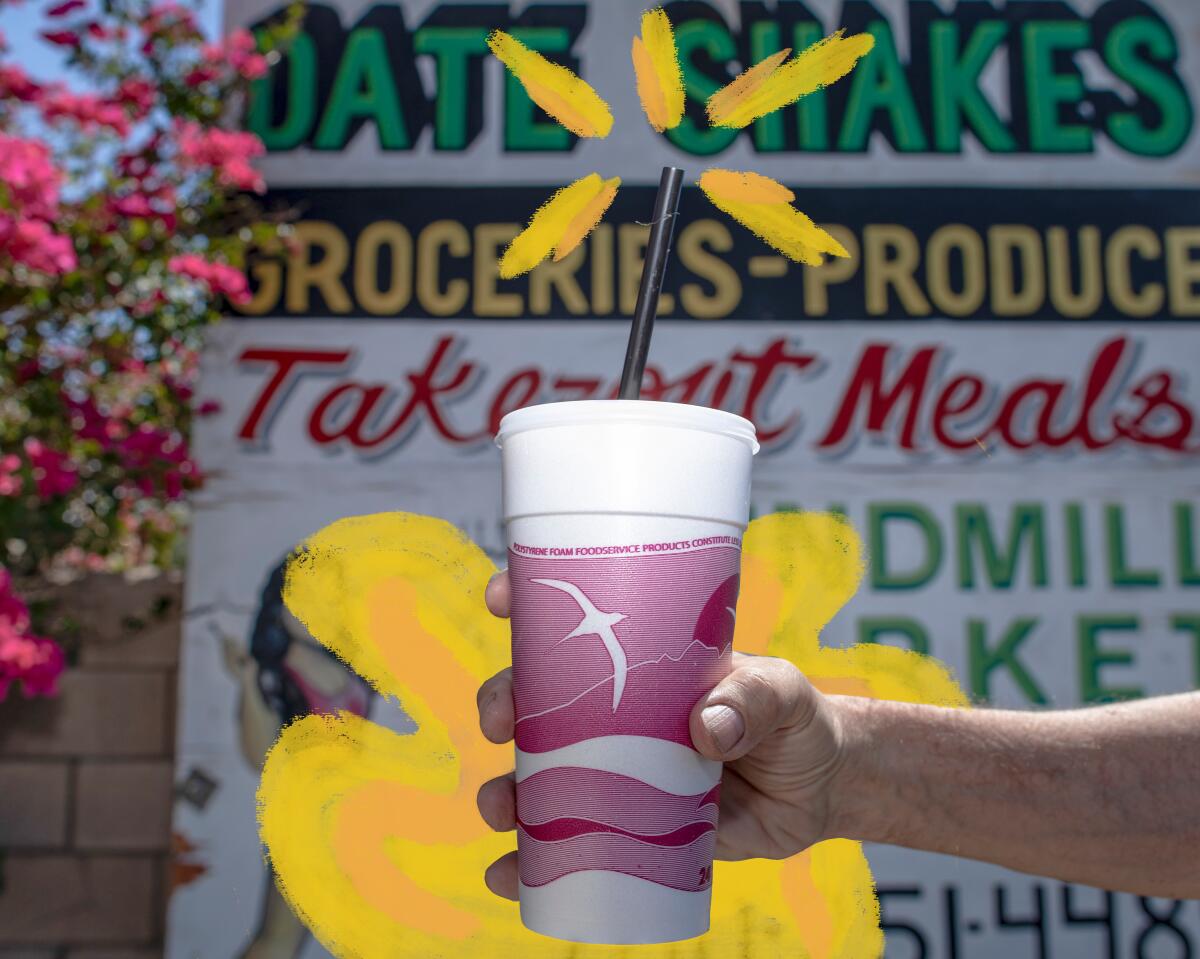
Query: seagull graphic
596,622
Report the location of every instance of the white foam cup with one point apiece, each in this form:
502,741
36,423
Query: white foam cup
624,521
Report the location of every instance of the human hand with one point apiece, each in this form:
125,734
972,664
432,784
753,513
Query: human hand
780,739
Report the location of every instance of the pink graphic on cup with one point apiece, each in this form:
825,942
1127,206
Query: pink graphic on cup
621,645
617,646
571,819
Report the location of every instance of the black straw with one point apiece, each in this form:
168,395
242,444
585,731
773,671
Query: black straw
662,228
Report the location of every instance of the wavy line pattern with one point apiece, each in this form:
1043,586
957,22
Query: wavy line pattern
685,867
570,819
609,799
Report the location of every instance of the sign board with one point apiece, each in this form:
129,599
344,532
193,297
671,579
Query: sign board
999,389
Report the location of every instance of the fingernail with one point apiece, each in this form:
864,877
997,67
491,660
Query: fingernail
724,724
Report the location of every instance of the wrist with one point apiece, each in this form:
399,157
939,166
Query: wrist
860,801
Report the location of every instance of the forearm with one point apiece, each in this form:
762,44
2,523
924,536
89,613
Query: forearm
1108,796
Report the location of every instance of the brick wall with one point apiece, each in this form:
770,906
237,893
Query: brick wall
86,783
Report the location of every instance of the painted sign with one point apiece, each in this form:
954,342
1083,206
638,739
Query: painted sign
998,388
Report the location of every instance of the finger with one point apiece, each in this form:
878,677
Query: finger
498,595
497,801
501,876
738,828
495,702
753,701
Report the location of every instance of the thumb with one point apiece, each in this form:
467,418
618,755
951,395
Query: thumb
748,705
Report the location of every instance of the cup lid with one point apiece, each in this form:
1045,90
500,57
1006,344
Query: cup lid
641,412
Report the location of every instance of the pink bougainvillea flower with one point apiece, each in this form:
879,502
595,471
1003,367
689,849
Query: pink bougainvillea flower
219,277
29,173
168,16
34,661
61,38
35,244
227,153
205,73
88,110
53,472
11,482
12,608
68,6
241,49
138,94
16,85
208,408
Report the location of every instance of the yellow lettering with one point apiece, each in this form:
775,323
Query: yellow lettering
268,275
1026,243
1121,247
603,281
835,269
695,240
1091,281
488,301
969,244
892,255
393,235
454,238
559,276
325,274
1183,270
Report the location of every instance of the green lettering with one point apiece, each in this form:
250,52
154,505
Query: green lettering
956,92
522,129
1092,658
1076,555
1130,52
301,66
879,514
1185,546
982,661
1046,90
871,628
453,48
972,523
880,83
713,39
1190,624
1119,573
364,87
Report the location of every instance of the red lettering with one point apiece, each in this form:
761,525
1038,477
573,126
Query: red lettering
951,402
1101,373
339,399
867,389
289,366
1050,392
426,396
768,366
1158,405
519,391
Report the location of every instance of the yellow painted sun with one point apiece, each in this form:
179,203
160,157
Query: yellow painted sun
760,204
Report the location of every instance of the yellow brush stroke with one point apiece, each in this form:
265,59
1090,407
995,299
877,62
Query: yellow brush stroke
772,84
561,93
746,187
659,75
586,219
374,836
744,86
562,214
747,197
